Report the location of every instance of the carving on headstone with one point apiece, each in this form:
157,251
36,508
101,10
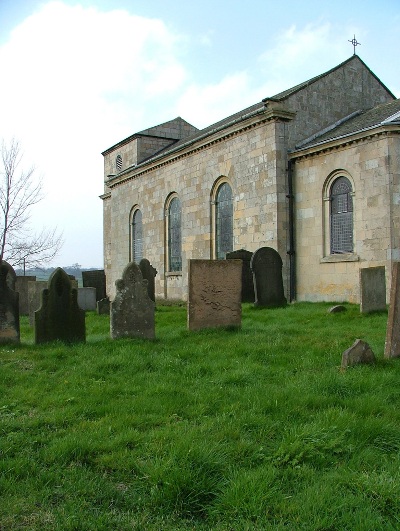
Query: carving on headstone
149,273
9,305
132,310
214,297
266,265
59,316
247,276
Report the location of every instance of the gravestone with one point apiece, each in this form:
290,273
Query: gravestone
35,289
95,278
149,273
247,276
87,299
21,286
103,306
132,310
214,297
9,306
360,352
266,265
11,276
372,289
59,316
392,344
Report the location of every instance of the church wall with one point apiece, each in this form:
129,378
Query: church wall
254,165
325,277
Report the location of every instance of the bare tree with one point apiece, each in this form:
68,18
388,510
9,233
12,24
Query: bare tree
20,190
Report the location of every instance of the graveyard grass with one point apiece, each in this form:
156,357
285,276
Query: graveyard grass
234,429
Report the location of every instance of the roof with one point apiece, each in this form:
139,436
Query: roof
384,114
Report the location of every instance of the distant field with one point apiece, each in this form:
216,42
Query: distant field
250,429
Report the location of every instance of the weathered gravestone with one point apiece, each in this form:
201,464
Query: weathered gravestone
9,306
87,299
247,276
21,286
266,265
59,316
392,344
35,289
214,297
95,278
360,352
11,276
149,273
372,289
132,310
103,306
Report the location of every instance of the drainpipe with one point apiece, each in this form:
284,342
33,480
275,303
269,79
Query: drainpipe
291,249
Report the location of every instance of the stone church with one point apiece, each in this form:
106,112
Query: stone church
313,172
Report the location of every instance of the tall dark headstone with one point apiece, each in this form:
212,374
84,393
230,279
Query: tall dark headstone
132,310
149,273
9,306
59,316
247,276
266,265
95,278
372,289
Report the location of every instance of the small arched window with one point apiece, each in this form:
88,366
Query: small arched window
118,163
174,235
137,237
341,216
223,220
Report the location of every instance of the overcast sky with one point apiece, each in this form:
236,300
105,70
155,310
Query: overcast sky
79,76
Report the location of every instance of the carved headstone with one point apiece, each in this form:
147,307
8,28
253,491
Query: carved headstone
9,306
359,352
59,316
21,286
266,265
372,289
149,273
103,306
247,276
214,297
95,278
87,299
392,345
132,310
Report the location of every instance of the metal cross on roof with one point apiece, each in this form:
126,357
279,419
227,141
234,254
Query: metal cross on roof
355,43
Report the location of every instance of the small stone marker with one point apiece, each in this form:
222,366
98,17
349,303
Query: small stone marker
9,306
21,286
266,265
338,308
247,275
59,316
372,289
149,273
214,297
359,352
392,344
87,299
103,306
132,310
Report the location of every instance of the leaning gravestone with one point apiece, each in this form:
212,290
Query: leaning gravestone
9,306
214,297
372,289
132,310
59,316
360,352
266,265
149,273
247,276
21,286
392,344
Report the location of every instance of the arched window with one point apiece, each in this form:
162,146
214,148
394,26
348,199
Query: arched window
223,221
341,216
137,237
118,163
174,235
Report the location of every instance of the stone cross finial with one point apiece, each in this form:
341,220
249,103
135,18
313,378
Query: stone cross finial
355,43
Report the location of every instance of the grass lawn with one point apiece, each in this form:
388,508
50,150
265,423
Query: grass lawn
250,429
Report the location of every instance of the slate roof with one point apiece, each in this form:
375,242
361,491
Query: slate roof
387,113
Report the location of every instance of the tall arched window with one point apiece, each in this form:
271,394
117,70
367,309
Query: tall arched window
174,235
223,221
137,237
341,216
